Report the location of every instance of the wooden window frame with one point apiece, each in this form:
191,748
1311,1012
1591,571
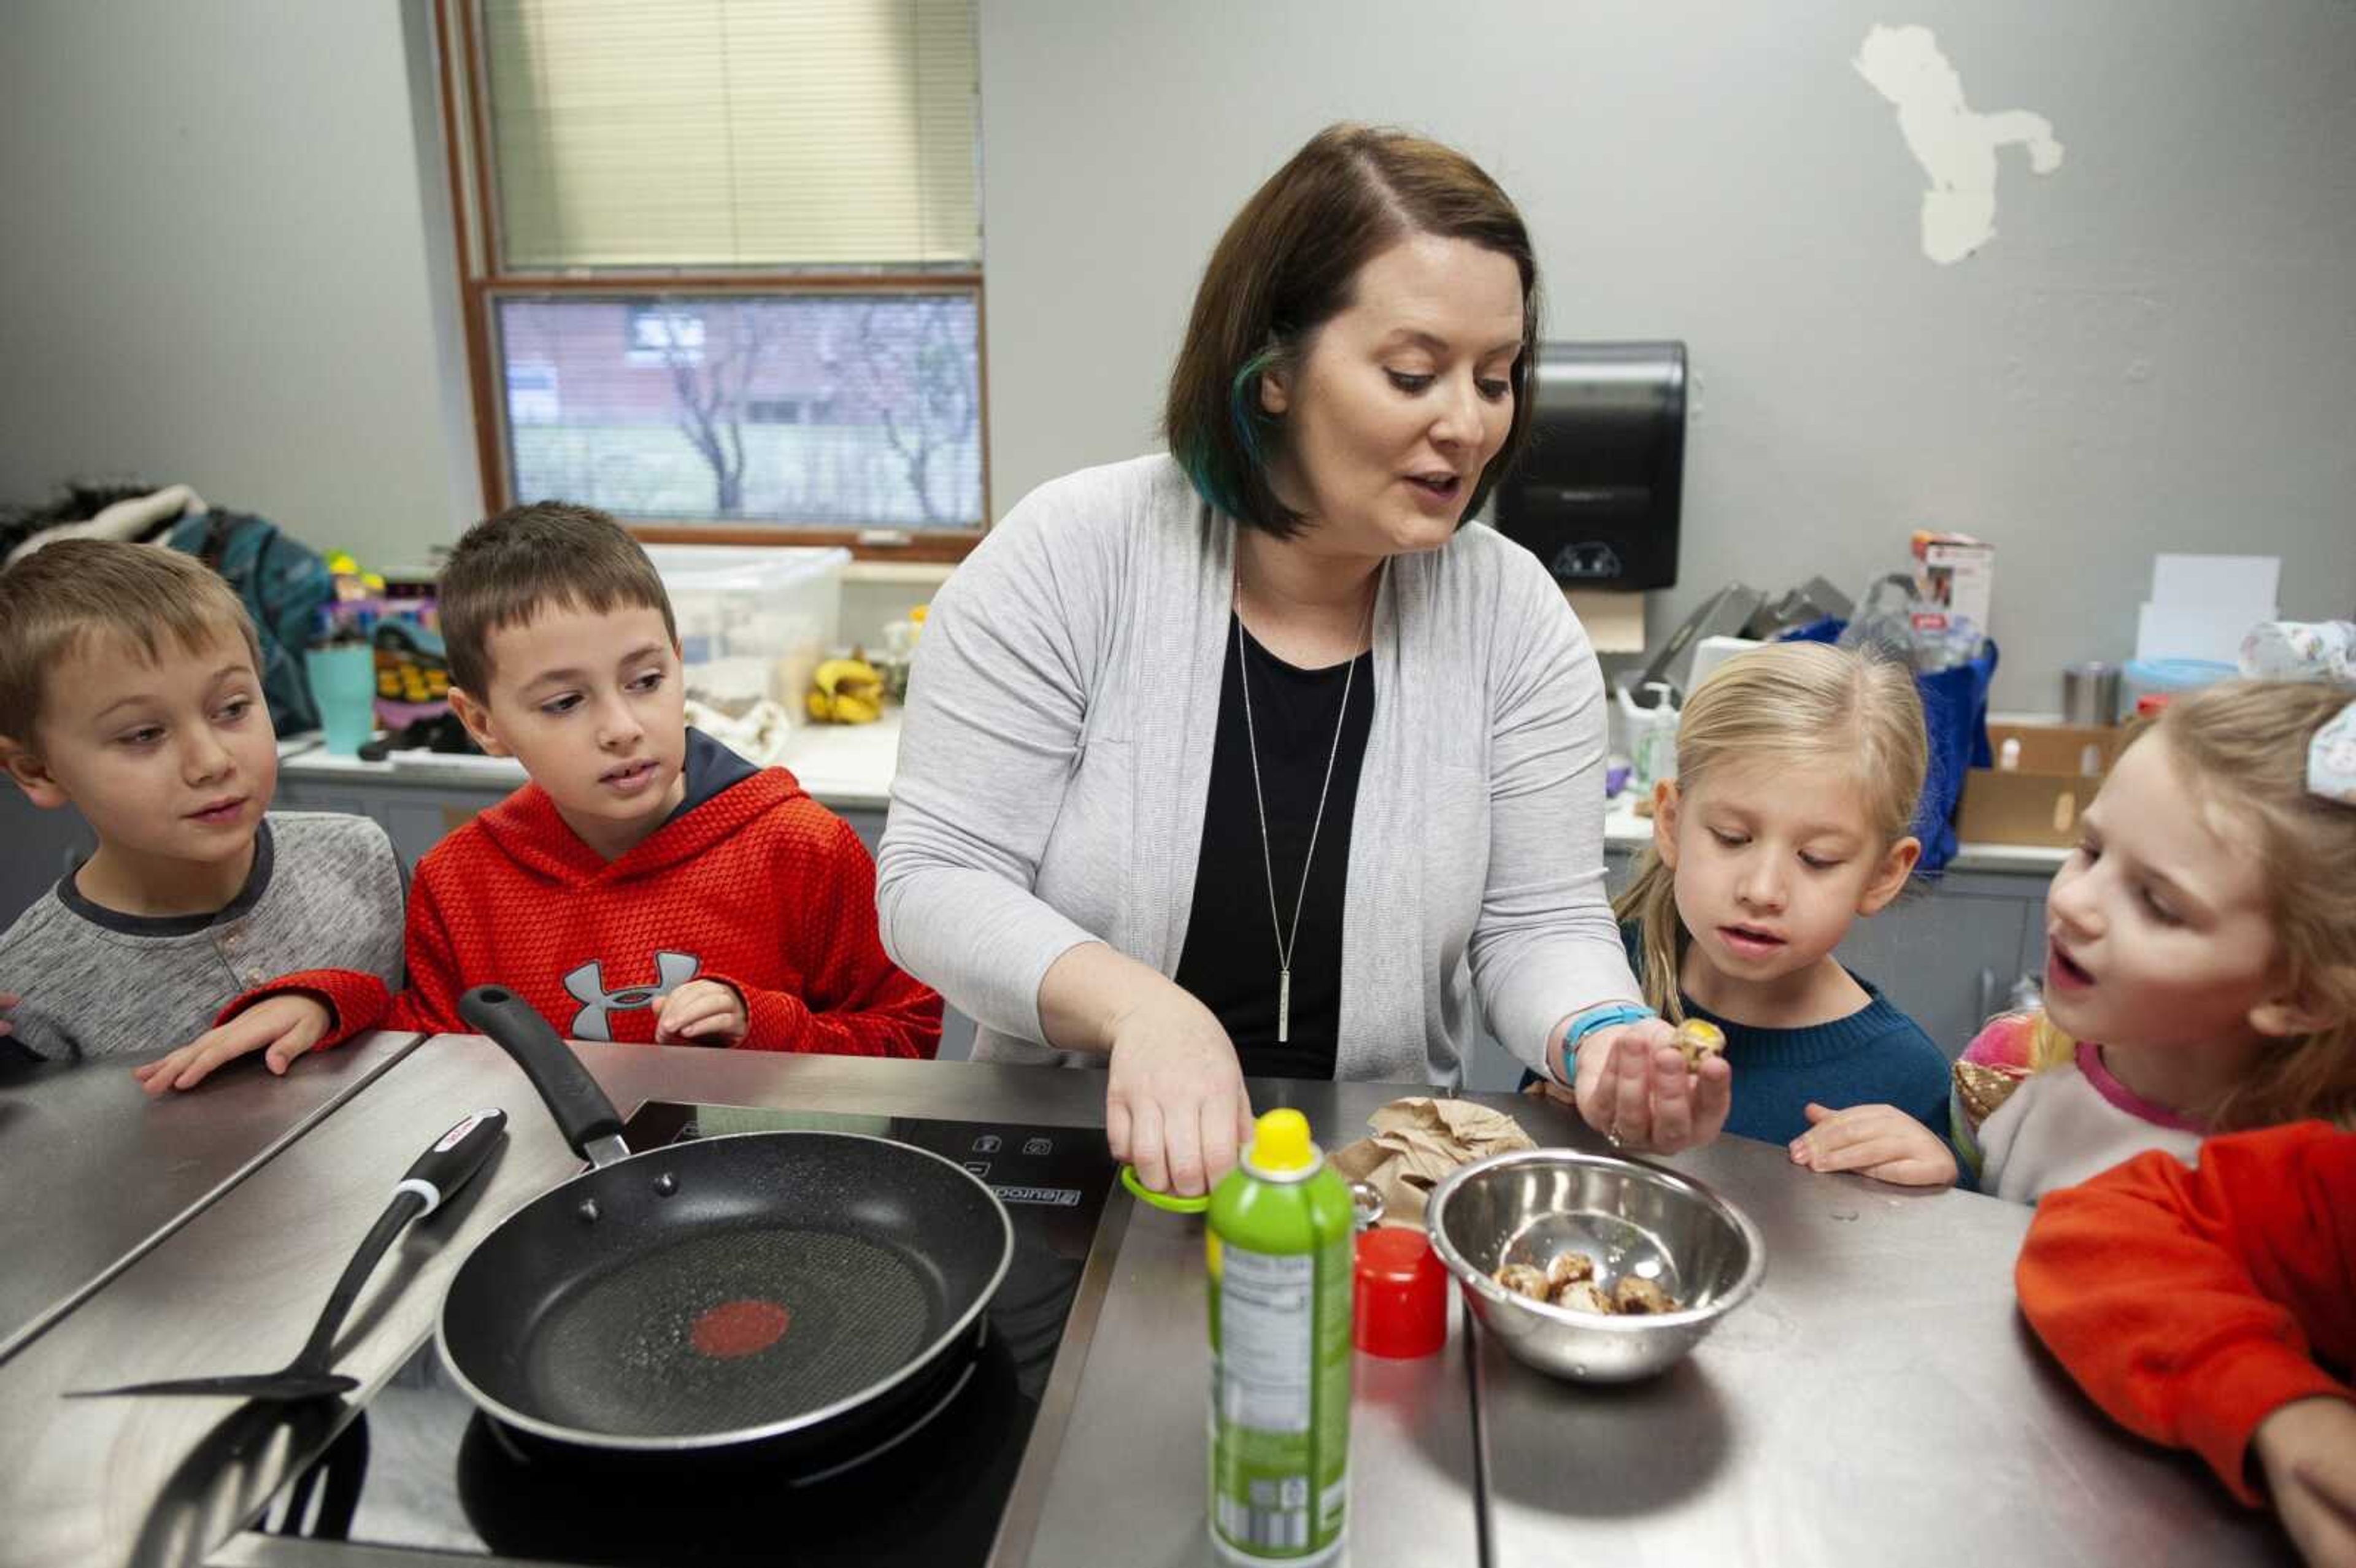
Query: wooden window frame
484,282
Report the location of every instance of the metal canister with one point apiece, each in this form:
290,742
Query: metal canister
2090,693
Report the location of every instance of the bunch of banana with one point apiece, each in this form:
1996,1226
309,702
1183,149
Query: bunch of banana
846,691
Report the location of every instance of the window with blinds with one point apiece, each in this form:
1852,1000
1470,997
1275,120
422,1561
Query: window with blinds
723,266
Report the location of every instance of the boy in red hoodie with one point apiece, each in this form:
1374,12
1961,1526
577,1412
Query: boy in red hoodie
2215,1309
648,884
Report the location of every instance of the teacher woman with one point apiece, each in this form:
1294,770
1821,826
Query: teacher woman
1252,759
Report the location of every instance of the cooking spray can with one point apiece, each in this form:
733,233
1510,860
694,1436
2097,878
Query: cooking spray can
1278,1245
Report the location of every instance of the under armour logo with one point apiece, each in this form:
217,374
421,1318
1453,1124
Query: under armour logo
586,985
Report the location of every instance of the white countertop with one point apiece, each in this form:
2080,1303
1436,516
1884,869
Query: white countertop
844,766
1623,829
850,766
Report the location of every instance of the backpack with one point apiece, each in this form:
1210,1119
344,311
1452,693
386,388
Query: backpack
283,585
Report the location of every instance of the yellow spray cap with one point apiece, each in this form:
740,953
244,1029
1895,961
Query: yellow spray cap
1281,1142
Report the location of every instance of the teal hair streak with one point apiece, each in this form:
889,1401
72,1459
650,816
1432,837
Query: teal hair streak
1241,392
1212,481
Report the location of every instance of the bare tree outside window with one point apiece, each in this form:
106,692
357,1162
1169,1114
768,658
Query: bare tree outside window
668,409
912,354
712,385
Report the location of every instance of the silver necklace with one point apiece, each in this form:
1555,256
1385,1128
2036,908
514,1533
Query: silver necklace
1289,938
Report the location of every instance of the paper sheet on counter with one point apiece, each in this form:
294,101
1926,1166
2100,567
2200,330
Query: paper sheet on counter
1417,1142
2203,605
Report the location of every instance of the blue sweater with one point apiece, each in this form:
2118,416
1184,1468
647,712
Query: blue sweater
1876,1056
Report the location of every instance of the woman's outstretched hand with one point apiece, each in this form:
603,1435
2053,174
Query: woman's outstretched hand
1632,1084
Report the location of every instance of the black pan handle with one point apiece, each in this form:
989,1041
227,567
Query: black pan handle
580,1110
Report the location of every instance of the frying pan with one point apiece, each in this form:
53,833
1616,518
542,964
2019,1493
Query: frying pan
788,1290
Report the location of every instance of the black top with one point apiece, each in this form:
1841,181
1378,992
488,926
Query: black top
1229,963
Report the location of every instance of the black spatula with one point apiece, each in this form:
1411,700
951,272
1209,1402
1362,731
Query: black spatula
436,1177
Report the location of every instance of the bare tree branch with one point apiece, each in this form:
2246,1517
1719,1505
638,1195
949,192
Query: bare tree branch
711,411
921,383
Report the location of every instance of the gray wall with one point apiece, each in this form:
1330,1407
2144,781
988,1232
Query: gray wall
2158,350
222,263
226,261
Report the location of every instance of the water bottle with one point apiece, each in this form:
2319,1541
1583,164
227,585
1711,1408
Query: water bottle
1279,1243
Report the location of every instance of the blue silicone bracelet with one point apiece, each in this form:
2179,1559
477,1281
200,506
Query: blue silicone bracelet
1605,1015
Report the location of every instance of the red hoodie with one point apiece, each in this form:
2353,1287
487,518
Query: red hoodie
2194,1304
759,888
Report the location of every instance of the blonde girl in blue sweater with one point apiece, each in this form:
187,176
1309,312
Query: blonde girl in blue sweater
1798,769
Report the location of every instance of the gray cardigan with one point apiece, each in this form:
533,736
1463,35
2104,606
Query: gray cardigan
1057,759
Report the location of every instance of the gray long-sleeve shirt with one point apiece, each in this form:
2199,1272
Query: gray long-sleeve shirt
325,894
1056,754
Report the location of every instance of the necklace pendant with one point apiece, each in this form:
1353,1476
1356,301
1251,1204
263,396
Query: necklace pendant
1284,1006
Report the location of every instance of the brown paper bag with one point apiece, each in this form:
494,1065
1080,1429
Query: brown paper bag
1417,1142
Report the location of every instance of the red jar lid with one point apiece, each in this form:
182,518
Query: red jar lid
1399,1297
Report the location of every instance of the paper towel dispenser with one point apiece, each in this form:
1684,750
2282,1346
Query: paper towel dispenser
1596,493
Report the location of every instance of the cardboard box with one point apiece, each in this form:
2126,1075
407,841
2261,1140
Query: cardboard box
1954,579
2040,801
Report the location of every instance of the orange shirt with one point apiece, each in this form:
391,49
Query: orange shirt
2192,1304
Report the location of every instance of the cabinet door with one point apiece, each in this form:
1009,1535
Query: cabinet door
868,824
416,821
1947,955
310,795
2032,946
956,1029
36,845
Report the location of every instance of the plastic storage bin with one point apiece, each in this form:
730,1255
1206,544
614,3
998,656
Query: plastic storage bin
753,620
2151,682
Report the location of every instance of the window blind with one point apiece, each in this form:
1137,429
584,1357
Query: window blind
732,133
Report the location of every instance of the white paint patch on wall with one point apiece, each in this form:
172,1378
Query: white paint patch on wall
1955,146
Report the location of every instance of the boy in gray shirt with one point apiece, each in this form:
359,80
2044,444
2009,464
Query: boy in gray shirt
130,689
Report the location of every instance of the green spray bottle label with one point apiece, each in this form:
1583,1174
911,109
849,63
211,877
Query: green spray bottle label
1277,1244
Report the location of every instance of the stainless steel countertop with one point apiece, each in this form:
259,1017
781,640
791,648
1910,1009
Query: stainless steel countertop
1880,1400
98,1173
151,1481
1877,1400
1128,1485
160,1480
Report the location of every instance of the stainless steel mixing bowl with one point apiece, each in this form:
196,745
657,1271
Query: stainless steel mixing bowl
1631,1218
